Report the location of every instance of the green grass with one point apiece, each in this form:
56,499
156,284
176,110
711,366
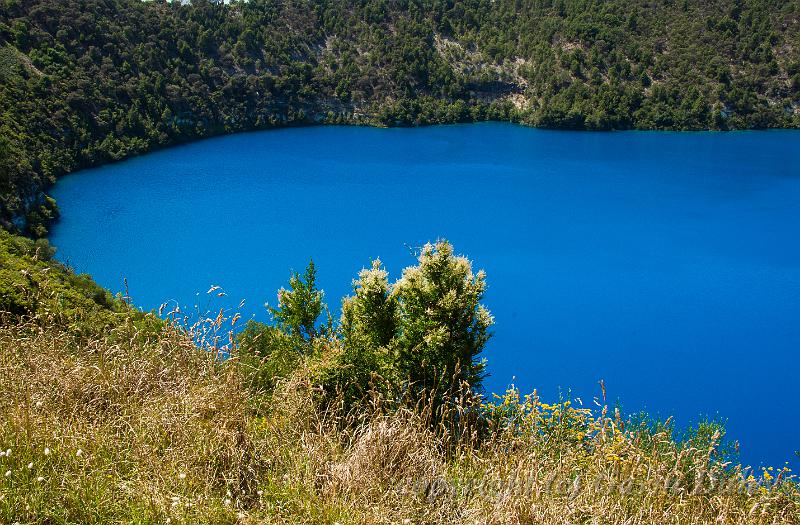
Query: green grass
33,284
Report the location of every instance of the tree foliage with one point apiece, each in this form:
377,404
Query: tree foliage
443,327
83,82
369,316
424,333
300,306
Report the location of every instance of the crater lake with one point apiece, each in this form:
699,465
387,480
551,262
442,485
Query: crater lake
665,264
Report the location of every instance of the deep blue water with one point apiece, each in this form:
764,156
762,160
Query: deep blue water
667,264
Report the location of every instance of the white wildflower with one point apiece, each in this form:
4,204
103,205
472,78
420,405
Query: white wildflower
46,451
8,473
40,479
79,453
182,475
30,465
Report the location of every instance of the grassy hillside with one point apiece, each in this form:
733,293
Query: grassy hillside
109,415
33,284
84,82
123,427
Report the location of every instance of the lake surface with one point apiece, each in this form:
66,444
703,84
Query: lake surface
666,264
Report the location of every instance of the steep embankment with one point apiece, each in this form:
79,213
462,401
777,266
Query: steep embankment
32,284
90,81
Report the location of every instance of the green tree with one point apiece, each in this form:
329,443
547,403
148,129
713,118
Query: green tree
300,306
362,360
369,316
442,325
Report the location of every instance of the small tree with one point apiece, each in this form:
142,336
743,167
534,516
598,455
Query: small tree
267,354
442,327
368,327
368,316
300,306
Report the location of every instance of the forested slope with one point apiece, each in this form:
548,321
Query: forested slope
84,82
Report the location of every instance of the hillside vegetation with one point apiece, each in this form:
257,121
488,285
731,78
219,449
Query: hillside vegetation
84,82
115,416
374,412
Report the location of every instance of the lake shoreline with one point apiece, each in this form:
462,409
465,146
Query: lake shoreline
19,222
650,218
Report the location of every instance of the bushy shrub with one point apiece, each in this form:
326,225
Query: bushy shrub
421,335
368,327
443,327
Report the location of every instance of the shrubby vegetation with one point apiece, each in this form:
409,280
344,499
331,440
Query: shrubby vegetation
311,420
84,82
422,334
33,284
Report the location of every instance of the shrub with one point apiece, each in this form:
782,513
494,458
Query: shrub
416,338
442,325
300,306
368,326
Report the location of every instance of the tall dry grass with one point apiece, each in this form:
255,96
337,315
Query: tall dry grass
133,427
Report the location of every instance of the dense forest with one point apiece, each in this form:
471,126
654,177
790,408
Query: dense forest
83,82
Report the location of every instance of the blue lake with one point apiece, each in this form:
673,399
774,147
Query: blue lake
666,264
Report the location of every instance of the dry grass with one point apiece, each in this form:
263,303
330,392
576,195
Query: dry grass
133,429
